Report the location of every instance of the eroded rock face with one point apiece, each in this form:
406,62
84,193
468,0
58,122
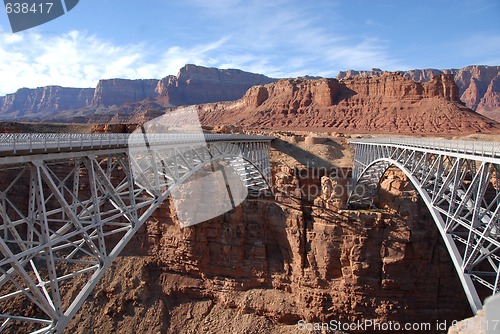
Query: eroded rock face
387,103
119,91
49,100
192,85
474,82
286,259
197,84
478,85
119,100
273,261
490,103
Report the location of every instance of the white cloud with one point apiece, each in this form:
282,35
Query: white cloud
276,38
285,39
76,59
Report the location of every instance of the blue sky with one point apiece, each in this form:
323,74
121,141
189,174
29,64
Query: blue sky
154,38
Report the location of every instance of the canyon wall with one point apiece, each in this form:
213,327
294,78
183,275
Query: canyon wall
192,85
119,91
196,84
479,86
44,100
395,104
274,261
390,103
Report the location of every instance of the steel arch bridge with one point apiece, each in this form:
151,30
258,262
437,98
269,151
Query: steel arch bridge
70,203
459,181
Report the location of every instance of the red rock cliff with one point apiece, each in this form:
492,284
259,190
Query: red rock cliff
476,84
48,100
115,98
270,263
390,103
119,91
196,84
273,261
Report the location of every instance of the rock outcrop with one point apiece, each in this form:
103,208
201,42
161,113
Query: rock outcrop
271,263
196,84
479,86
490,103
390,103
112,99
192,85
119,91
44,100
274,261
474,82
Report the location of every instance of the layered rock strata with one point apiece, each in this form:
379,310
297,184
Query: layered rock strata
271,263
479,86
192,85
390,103
44,100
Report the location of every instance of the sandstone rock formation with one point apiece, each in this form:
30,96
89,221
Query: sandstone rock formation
490,103
273,261
479,86
112,99
270,263
196,84
474,82
119,91
390,103
44,100
126,101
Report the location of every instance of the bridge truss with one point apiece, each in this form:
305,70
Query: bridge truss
459,182
70,203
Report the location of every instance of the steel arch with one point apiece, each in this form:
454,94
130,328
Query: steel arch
86,200
461,192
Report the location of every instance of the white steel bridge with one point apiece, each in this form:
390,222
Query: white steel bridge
70,203
459,181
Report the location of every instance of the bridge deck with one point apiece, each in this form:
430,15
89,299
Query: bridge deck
453,147
35,143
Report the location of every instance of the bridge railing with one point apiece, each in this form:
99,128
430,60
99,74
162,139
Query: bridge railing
481,148
15,142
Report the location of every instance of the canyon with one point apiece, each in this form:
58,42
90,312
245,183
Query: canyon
192,85
136,101
297,254
276,260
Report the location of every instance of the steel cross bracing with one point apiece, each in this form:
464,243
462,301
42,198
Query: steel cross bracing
69,205
459,181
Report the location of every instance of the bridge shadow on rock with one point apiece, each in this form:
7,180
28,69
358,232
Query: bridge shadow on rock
330,148
269,261
415,258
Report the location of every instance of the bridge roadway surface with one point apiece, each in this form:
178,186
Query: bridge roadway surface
459,181
69,203
15,144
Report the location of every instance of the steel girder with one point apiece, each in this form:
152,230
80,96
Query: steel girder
67,215
461,188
